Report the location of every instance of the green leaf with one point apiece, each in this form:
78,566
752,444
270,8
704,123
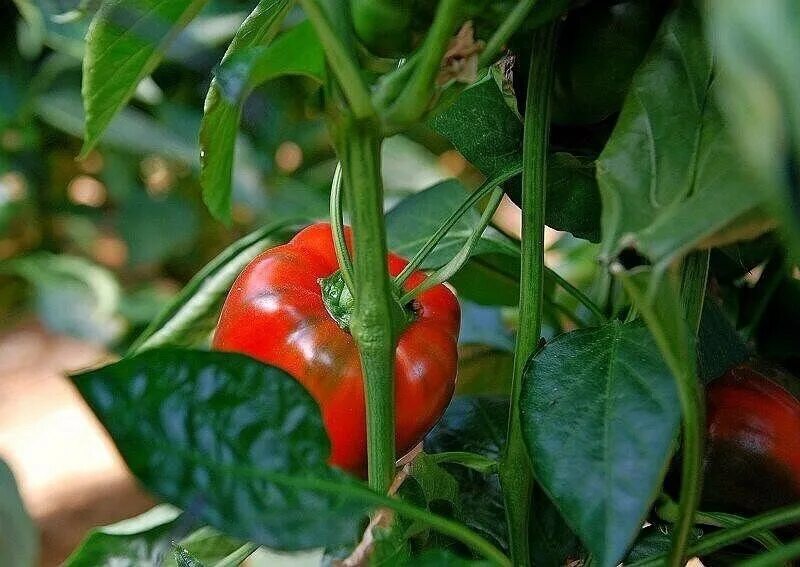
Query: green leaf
143,540
210,547
719,346
415,218
130,130
600,411
240,443
192,315
489,279
488,133
73,295
125,43
476,425
185,559
19,538
296,52
484,370
444,558
758,48
435,482
670,177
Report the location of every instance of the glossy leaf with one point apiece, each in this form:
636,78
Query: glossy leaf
125,43
758,48
238,442
192,315
670,177
296,52
600,411
19,537
488,133
142,540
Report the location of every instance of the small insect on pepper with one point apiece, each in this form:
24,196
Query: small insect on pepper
289,308
753,440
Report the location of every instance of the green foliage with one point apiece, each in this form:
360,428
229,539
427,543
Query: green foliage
671,161
240,443
610,380
488,132
125,43
143,540
192,315
245,66
757,49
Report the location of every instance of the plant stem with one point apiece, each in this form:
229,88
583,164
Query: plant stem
337,223
516,476
448,224
777,556
577,294
448,270
341,63
662,309
718,540
358,144
417,95
505,31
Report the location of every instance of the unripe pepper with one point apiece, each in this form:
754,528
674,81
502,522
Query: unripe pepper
285,309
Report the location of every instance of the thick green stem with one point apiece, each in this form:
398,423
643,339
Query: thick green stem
516,475
358,144
342,63
418,93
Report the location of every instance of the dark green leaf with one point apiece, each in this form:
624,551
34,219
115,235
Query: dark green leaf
476,425
192,315
489,279
435,482
600,411
125,43
758,48
652,541
670,162
19,538
296,52
719,346
239,443
415,218
488,132
143,540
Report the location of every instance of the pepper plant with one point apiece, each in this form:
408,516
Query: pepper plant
660,136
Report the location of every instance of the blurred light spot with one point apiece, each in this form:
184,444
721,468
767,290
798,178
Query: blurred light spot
93,163
796,272
111,251
242,214
8,248
158,177
12,187
508,218
11,140
85,190
289,157
453,162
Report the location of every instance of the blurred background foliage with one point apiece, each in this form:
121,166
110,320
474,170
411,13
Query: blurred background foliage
97,247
